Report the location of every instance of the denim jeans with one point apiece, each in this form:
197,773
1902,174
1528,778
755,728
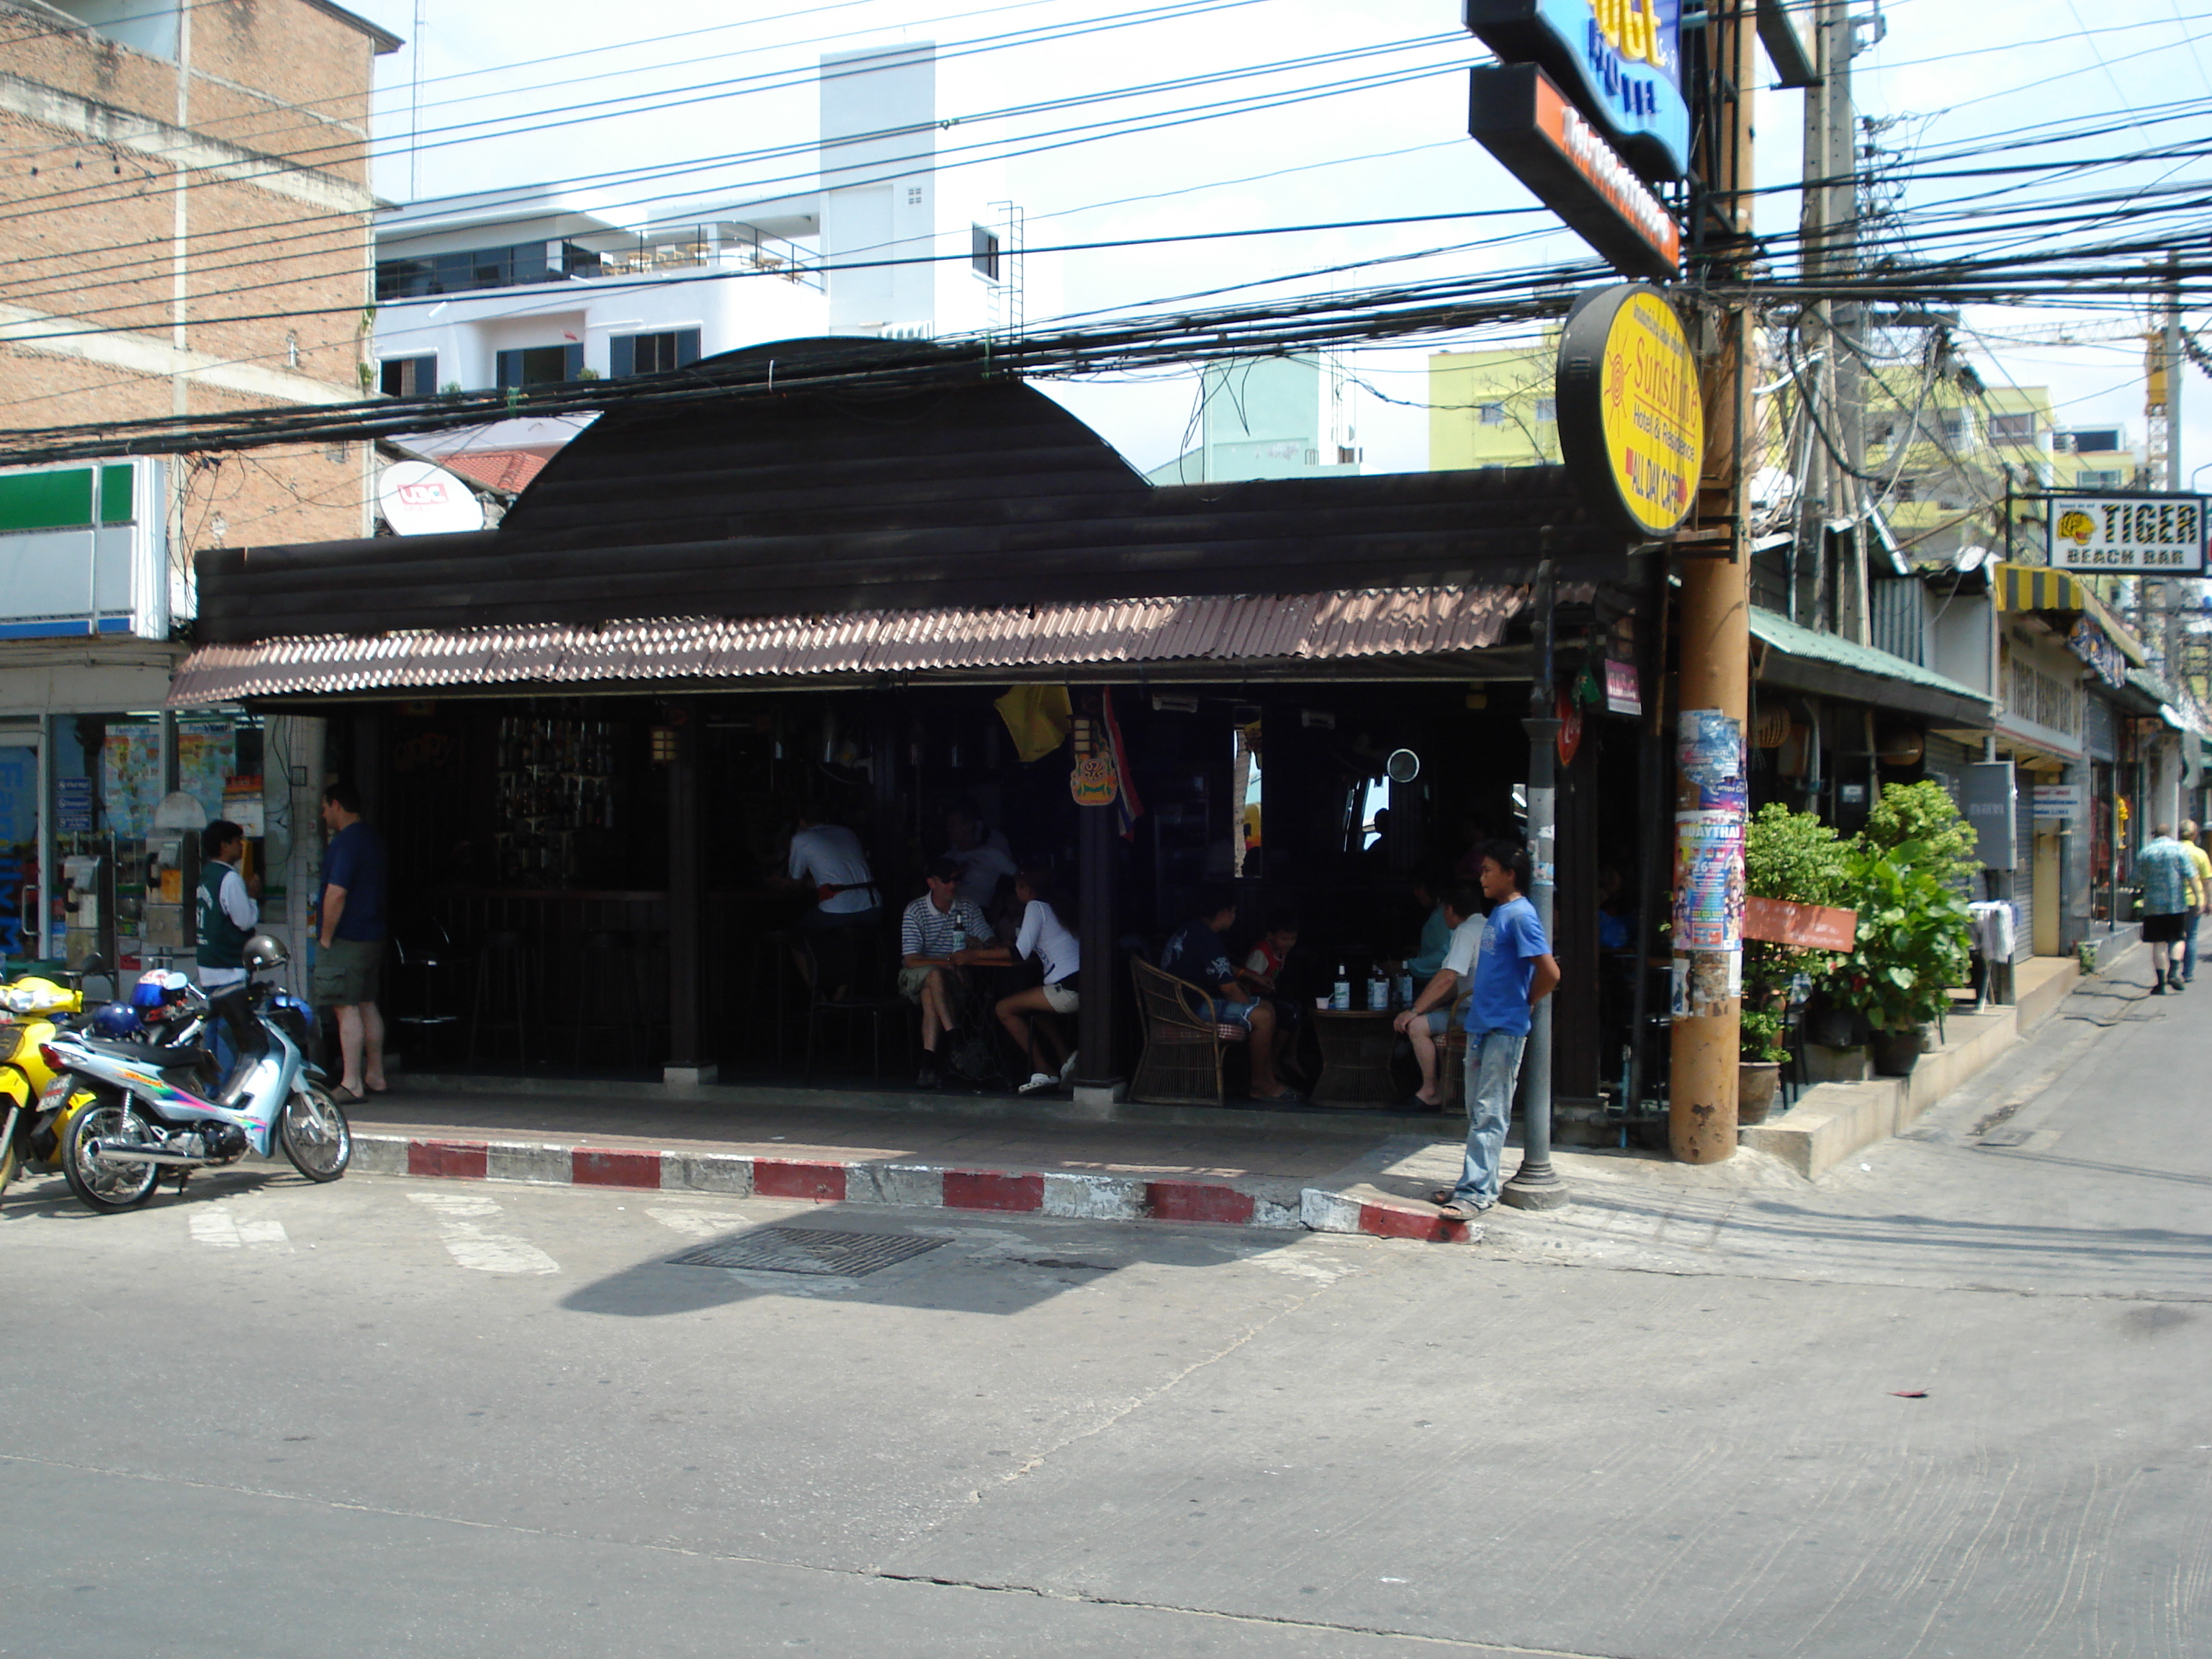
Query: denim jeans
1493,1067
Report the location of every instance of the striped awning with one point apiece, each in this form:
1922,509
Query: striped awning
2038,587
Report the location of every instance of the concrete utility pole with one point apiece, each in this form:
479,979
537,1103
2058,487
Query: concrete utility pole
1715,671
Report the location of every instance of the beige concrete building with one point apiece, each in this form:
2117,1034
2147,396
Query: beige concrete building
187,184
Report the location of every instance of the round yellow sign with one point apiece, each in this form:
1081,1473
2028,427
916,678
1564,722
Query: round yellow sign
1630,418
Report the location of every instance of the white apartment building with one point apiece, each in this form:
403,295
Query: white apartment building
556,283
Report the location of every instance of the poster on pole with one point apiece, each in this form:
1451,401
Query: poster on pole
1709,894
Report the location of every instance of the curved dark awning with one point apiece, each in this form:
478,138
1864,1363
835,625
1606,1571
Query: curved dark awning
976,496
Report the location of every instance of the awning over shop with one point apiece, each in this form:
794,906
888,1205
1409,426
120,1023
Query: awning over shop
969,500
1801,659
1382,626
2037,588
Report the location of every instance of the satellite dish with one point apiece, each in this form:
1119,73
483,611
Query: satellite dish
418,499
1403,765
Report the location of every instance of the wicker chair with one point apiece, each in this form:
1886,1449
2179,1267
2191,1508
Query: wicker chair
1184,1047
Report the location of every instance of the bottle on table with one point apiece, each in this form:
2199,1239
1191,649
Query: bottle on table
1341,996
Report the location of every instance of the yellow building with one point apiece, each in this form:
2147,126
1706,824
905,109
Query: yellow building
1492,408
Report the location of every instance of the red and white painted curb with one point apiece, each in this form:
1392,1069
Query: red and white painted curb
1076,1196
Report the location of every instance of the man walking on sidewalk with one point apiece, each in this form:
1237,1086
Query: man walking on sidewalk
2170,898
1515,972
2192,845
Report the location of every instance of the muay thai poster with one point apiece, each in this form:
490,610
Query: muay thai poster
1708,882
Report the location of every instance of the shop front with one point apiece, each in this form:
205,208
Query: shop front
586,735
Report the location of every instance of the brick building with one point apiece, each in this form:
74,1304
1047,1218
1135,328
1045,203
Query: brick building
188,184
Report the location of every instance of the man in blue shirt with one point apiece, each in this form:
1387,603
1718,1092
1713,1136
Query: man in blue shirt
1198,956
351,937
2170,898
1515,972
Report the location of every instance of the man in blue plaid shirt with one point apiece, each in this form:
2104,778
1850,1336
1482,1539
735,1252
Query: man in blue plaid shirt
2170,898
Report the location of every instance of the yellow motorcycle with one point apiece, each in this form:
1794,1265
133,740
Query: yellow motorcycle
32,1126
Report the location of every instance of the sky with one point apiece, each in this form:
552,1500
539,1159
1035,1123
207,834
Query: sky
514,93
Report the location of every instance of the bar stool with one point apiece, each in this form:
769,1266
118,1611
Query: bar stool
425,954
611,994
502,1000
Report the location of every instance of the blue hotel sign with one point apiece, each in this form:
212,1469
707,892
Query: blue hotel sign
1619,60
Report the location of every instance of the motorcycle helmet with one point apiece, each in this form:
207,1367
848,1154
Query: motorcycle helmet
119,1021
262,953
149,992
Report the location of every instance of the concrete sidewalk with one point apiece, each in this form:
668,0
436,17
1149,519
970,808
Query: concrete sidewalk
1332,1172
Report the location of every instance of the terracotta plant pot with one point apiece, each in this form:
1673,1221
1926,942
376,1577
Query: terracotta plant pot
1756,1081
1895,1053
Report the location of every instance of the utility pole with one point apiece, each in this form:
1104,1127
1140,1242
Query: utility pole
2165,410
1837,41
1715,655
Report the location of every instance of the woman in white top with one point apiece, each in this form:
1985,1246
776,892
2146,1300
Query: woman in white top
1047,933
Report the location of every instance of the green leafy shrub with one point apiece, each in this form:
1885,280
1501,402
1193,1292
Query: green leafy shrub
1924,814
1913,933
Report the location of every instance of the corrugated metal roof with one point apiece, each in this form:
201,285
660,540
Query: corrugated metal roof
1791,640
1407,622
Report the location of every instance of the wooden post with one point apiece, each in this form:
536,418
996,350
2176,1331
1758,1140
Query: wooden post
1715,654
1099,1074
687,903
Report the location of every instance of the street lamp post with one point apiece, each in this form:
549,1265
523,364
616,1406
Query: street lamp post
1537,1185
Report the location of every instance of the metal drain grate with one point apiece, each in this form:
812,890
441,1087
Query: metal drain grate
808,1250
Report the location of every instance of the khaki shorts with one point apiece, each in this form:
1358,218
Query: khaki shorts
1062,998
911,980
346,972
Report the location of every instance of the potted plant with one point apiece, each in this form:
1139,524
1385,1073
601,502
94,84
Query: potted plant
1791,856
1908,869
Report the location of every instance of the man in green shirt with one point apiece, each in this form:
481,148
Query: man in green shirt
226,913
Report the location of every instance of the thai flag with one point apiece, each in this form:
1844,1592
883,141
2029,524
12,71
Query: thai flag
1127,808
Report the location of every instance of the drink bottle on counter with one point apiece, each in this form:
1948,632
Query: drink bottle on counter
1341,996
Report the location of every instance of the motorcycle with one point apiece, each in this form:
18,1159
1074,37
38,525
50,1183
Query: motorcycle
31,1011
160,1011
152,1112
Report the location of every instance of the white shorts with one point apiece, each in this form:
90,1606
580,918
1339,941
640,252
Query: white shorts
1062,998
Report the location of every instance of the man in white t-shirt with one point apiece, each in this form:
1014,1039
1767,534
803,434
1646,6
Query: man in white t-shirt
981,853
829,858
1430,1017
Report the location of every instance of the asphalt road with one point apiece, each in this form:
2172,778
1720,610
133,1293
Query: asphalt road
455,1418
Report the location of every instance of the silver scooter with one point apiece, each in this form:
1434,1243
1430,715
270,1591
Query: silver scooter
154,1108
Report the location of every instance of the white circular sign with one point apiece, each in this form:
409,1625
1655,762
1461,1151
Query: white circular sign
418,499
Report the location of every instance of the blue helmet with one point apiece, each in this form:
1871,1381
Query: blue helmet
118,1020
